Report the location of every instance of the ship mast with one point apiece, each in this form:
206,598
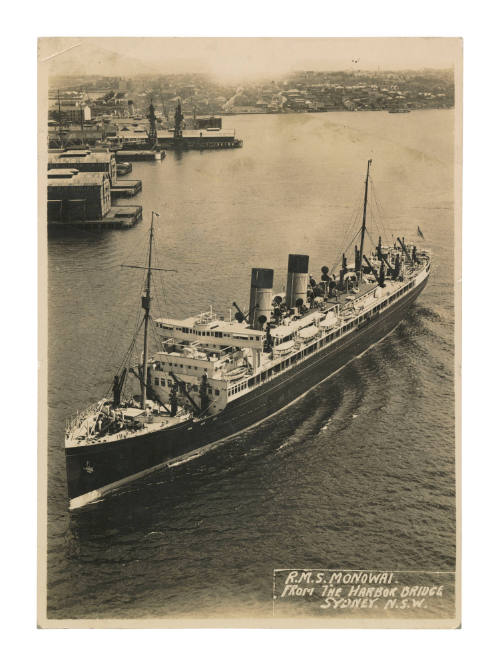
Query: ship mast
146,304
363,227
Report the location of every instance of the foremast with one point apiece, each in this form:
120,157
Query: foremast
363,226
146,304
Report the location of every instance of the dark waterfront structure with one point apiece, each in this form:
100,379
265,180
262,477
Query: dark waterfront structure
138,139
210,139
77,196
85,161
126,188
206,138
139,155
72,134
207,122
84,200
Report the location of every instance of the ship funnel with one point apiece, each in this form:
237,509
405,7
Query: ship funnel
296,285
261,297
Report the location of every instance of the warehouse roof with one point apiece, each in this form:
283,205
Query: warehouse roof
73,178
90,158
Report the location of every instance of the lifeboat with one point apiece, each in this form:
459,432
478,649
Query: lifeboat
308,333
328,323
283,348
236,373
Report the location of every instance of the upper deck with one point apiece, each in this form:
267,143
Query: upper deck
211,331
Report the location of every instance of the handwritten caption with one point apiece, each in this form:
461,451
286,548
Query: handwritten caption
423,593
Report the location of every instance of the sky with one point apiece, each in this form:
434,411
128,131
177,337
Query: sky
237,59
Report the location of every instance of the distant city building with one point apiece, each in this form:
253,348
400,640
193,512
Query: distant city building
133,138
69,135
126,98
205,122
70,113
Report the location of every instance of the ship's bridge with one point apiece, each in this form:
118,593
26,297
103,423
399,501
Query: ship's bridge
210,330
184,360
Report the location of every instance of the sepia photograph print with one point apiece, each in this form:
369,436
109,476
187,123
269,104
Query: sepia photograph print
249,306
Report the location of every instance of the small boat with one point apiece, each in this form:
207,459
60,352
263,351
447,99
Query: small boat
309,332
122,168
236,373
283,348
328,322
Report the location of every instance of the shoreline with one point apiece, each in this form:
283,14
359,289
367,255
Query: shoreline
303,113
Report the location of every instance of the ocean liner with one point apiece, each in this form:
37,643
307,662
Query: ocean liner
212,377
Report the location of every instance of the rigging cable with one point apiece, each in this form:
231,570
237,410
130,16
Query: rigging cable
381,212
162,284
354,222
346,250
126,358
137,327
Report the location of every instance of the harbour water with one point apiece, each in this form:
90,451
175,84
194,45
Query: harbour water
359,474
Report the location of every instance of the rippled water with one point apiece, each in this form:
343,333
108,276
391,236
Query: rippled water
359,473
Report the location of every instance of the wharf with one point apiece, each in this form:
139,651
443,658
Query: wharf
126,188
205,139
139,155
118,217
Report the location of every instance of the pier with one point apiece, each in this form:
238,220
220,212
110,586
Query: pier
125,188
199,140
202,138
118,217
139,155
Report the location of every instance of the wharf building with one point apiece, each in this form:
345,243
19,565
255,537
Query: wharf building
207,122
86,161
203,122
72,195
198,139
64,111
60,135
84,200
135,143
133,138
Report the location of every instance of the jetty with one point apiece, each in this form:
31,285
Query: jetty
203,138
137,155
118,217
125,188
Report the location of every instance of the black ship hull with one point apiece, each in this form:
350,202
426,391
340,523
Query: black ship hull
96,469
